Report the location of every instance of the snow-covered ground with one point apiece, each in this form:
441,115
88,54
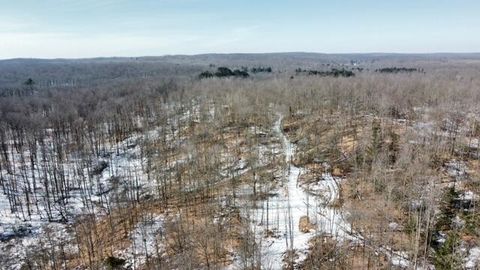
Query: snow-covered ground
473,259
121,168
276,221
50,237
21,234
146,242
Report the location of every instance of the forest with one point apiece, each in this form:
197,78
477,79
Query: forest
241,161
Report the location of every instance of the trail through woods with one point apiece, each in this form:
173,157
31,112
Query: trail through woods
285,222
276,221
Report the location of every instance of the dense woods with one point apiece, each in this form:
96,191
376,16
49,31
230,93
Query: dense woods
333,72
224,72
145,164
397,70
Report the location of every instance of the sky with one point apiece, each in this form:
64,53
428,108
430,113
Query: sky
103,28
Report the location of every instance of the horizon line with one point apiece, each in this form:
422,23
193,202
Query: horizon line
242,53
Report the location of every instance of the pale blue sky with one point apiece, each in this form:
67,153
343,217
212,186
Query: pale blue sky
90,28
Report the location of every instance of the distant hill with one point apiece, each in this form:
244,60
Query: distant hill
92,71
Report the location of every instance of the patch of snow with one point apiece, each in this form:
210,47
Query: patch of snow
456,169
472,261
399,259
146,242
393,226
468,196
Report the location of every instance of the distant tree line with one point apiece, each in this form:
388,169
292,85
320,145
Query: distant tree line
331,73
223,72
87,72
27,89
261,70
398,70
